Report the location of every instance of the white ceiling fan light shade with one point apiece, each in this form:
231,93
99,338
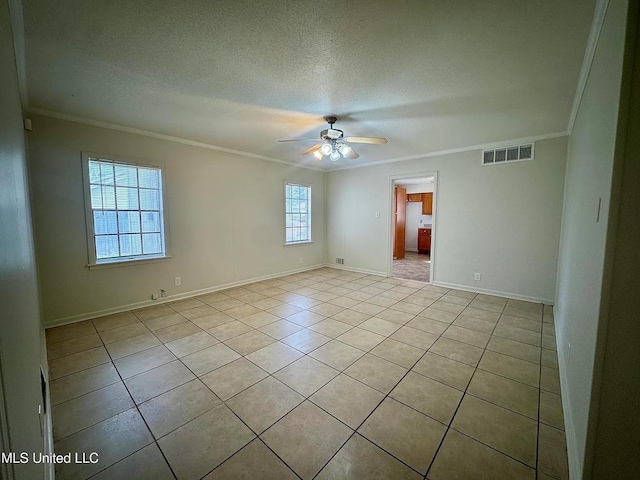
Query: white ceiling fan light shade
345,150
335,156
318,154
327,149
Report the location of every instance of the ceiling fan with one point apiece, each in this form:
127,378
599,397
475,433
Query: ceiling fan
334,144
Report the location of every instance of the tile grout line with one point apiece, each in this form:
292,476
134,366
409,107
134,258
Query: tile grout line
280,341
355,431
124,384
489,446
461,400
135,405
385,308
539,396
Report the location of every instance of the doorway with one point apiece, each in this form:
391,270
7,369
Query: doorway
413,222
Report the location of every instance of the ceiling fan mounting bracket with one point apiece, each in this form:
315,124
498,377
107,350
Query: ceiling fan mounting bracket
331,119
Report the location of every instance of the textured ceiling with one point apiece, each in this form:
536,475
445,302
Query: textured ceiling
428,75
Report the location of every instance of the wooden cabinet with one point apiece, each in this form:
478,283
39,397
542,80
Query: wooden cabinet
427,203
414,197
424,240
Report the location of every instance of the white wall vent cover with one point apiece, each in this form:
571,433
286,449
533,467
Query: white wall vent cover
514,153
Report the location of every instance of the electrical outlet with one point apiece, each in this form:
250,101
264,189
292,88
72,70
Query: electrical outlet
178,281
340,261
163,293
477,277
301,260
155,296
377,214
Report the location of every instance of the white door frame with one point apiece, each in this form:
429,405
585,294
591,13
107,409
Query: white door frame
391,232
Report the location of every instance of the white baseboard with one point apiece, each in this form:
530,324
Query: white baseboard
357,270
495,293
171,298
573,456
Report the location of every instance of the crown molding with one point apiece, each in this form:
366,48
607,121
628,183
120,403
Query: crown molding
161,136
193,143
483,146
590,51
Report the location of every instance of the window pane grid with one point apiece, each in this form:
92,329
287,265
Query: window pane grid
297,213
126,202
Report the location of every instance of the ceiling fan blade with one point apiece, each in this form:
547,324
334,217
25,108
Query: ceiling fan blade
309,150
299,140
378,140
352,154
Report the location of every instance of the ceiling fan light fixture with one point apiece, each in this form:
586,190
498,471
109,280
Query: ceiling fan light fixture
326,149
345,150
334,144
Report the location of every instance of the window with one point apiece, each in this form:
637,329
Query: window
297,213
125,217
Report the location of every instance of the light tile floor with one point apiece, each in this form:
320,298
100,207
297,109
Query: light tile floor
414,266
325,374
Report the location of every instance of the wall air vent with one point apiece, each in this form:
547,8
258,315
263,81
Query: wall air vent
515,153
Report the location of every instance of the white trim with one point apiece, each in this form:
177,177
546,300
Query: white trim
292,244
589,54
161,136
309,211
49,472
575,464
93,263
122,262
496,293
17,26
147,303
483,146
357,270
208,146
434,216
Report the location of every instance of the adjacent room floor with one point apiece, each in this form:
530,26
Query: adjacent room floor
414,266
326,374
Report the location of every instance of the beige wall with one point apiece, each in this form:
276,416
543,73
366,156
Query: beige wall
226,219
502,221
20,327
582,250
617,434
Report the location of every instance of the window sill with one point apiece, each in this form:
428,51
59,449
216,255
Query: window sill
291,244
127,263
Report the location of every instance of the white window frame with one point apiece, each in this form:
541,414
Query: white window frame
309,200
93,261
